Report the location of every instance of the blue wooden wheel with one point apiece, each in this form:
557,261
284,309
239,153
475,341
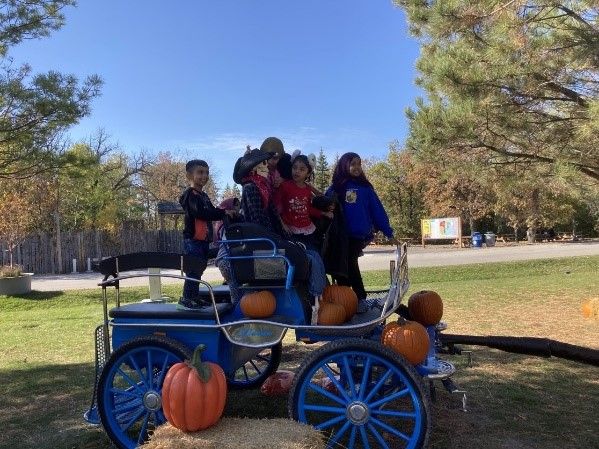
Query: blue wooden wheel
361,394
130,388
255,371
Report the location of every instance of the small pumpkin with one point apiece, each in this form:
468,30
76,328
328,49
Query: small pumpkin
407,338
194,393
590,308
278,384
342,295
426,307
330,314
261,304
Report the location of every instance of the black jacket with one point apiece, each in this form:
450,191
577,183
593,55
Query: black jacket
335,245
197,206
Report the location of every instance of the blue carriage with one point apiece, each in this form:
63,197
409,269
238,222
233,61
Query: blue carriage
358,392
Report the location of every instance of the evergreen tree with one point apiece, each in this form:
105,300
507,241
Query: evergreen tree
35,110
518,81
322,172
231,192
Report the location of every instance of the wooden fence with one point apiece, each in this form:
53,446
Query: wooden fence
38,253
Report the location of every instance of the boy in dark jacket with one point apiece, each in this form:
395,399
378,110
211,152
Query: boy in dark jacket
197,233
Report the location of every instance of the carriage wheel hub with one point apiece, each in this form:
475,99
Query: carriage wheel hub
152,401
358,413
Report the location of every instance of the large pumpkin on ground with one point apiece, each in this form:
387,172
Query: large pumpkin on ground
330,314
342,295
426,307
407,338
260,304
194,393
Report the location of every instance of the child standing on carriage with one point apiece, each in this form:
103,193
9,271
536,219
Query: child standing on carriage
197,232
293,200
364,215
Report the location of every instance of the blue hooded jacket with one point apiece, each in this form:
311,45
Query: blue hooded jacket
364,212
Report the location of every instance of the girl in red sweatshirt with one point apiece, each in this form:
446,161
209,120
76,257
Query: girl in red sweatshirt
293,200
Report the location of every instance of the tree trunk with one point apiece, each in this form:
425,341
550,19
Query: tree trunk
534,218
97,243
58,242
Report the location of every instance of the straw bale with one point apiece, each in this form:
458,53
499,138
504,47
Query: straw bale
240,433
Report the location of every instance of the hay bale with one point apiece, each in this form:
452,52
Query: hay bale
240,433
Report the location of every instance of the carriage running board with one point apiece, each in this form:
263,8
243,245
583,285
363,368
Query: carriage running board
452,388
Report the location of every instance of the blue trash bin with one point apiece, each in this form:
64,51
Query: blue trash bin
477,240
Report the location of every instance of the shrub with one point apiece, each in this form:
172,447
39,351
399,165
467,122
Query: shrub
7,271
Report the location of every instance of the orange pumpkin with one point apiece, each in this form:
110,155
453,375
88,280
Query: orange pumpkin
590,308
342,295
330,314
194,393
407,338
426,307
260,304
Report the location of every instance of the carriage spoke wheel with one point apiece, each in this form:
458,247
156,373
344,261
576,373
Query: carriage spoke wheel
360,394
130,388
255,371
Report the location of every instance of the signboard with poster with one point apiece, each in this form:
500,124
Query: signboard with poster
441,229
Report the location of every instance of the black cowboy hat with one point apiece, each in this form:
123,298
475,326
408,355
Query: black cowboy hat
246,164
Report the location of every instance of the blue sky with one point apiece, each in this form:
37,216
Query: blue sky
204,78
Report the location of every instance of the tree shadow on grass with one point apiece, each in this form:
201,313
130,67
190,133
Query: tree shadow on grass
36,295
43,406
514,401
517,401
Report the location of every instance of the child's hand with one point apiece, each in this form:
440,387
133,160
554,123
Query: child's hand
328,214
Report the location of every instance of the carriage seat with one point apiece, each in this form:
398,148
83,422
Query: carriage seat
112,266
262,271
162,311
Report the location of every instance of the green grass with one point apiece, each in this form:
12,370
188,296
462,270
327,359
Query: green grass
46,360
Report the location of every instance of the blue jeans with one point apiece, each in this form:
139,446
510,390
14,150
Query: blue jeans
318,278
194,248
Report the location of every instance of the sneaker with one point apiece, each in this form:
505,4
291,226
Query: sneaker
362,306
189,304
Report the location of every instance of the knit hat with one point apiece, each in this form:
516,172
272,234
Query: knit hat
273,145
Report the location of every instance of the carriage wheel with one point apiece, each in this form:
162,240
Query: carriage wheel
130,388
255,371
361,394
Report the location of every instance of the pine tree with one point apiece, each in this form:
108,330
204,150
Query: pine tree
517,81
231,192
36,110
322,172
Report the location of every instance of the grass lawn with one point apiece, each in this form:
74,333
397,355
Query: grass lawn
515,401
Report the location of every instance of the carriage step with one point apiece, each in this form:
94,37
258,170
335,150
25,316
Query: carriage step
452,388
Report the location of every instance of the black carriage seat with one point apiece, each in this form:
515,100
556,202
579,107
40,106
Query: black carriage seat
162,311
257,272
137,261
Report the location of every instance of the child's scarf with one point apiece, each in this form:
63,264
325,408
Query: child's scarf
262,184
